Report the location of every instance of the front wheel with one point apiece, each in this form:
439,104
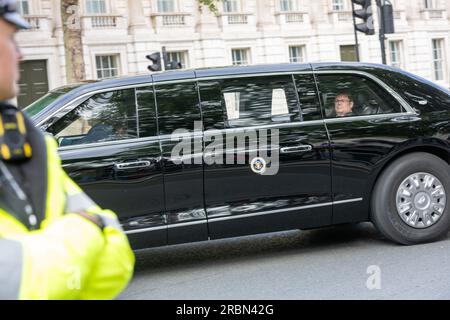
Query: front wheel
410,199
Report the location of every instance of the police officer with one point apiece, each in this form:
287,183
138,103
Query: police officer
55,242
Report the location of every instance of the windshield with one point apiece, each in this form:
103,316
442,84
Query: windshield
40,104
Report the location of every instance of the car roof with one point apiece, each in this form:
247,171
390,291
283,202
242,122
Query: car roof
174,75
87,87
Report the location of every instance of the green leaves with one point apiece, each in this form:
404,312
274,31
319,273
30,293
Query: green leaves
211,4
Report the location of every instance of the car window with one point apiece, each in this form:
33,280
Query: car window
420,93
352,95
251,101
178,107
107,116
307,94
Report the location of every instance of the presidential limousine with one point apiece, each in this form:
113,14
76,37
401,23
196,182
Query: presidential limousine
185,156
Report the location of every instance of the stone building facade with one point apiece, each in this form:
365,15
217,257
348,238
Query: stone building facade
118,34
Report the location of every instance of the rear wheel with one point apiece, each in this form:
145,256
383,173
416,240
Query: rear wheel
410,199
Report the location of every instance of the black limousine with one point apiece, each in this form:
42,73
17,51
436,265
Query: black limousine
323,144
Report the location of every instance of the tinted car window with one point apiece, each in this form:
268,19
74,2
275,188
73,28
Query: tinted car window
307,93
178,107
147,121
249,101
418,92
357,95
107,116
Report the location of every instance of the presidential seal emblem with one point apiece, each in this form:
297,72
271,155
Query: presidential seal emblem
258,165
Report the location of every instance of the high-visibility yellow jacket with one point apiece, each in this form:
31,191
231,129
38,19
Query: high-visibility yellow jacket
68,257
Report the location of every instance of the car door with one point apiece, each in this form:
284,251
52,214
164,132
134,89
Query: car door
286,185
109,146
180,130
379,124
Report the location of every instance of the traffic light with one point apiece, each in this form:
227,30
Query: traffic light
388,18
160,59
366,14
155,58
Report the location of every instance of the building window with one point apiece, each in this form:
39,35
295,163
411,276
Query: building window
286,5
107,66
348,53
23,7
338,5
95,6
430,4
297,54
395,50
166,6
180,57
438,59
240,56
231,5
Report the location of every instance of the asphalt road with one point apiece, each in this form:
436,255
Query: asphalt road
333,263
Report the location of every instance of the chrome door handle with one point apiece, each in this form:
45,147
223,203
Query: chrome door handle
296,149
132,165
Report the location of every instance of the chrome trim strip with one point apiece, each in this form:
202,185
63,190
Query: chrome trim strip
212,132
368,117
109,143
184,224
327,204
145,230
247,75
348,201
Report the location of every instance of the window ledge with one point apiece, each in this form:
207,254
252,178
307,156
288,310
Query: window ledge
225,14
165,14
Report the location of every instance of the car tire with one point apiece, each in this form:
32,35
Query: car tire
402,195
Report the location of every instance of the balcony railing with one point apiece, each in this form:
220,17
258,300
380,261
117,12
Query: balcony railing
37,22
434,14
294,17
175,20
238,19
291,17
104,22
344,16
34,22
341,17
170,19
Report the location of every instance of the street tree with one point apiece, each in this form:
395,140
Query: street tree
73,43
73,46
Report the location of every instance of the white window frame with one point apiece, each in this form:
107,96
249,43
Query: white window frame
235,6
177,54
338,5
241,62
23,7
101,4
396,53
438,58
101,68
430,4
302,49
291,5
